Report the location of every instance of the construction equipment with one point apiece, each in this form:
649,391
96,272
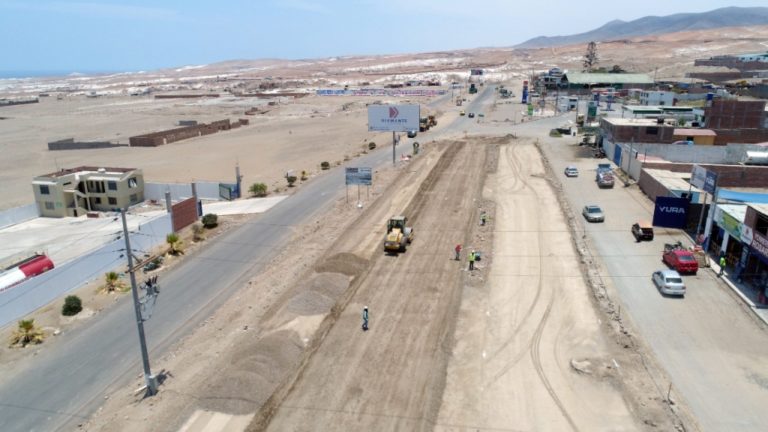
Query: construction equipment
423,124
398,236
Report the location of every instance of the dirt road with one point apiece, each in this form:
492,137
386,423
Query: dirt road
391,377
520,329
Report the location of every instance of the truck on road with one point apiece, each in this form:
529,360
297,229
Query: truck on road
604,176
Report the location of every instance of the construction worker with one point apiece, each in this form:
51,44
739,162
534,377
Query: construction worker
365,318
472,260
458,252
722,264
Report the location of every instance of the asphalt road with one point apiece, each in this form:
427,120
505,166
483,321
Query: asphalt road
63,385
714,353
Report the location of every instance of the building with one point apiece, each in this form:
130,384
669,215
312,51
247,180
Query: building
735,114
661,98
584,82
758,57
697,136
74,192
639,130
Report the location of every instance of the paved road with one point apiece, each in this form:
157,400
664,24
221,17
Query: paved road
66,383
713,351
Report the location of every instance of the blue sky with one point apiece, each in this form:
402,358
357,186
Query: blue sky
132,35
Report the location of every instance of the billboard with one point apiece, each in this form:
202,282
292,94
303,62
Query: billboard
671,212
704,179
358,176
394,118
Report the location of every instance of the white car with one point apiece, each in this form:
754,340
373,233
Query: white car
571,171
593,213
669,282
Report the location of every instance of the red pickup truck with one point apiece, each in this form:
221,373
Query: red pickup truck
681,260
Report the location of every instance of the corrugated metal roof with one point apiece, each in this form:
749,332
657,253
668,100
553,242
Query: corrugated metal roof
693,132
607,78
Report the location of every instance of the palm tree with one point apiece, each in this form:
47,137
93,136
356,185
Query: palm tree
174,244
27,333
112,281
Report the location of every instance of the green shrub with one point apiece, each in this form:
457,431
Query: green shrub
555,133
291,180
325,165
210,220
72,306
371,145
258,189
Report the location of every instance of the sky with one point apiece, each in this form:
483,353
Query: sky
134,35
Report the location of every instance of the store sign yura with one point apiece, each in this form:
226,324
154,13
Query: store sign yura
760,244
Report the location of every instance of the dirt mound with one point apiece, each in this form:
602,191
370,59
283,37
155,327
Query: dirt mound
344,263
257,367
323,290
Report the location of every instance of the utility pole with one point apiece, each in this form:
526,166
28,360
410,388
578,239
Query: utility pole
394,142
149,379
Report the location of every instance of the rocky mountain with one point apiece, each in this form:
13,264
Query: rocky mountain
653,25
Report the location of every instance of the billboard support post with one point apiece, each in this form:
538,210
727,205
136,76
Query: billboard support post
393,147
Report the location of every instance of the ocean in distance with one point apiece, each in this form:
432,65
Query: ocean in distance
47,74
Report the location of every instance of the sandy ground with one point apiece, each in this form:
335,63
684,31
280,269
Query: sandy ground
528,339
297,135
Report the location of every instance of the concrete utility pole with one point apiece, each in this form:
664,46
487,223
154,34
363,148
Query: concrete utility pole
394,142
149,379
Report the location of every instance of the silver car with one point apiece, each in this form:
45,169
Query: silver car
593,213
571,171
669,282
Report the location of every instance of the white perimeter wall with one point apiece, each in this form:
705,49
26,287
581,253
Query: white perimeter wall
20,300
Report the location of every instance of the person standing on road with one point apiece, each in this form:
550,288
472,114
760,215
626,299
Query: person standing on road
483,217
458,252
365,318
722,265
471,260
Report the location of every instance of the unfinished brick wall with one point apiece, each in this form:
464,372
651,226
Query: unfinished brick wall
727,175
735,114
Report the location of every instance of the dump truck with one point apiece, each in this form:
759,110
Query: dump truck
398,236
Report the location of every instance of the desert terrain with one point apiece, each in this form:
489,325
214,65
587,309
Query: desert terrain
523,342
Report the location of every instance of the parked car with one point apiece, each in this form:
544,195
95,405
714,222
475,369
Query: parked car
593,213
642,230
461,112
412,133
681,260
471,115
669,282
571,171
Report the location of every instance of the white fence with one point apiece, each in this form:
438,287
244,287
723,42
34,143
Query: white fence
181,191
18,215
20,300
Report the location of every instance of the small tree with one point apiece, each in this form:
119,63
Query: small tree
198,232
325,165
258,189
616,69
210,220
112,281
174,244
27,333
371,145
590,58
291,179
304,175
72,306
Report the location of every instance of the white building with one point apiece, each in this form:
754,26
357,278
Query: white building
660,98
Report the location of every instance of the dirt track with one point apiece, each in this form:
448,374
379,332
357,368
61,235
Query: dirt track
392,376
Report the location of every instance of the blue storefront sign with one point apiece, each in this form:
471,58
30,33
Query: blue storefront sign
671,212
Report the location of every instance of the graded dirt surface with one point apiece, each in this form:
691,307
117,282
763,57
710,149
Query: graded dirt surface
525,327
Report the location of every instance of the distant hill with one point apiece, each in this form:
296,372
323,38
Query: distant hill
617,29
